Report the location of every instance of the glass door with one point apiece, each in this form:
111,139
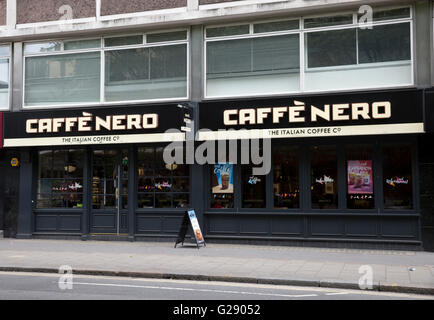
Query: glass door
109,192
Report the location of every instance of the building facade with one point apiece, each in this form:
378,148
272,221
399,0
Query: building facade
338,94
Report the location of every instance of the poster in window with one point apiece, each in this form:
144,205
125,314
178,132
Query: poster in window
360,177
196,227
223,178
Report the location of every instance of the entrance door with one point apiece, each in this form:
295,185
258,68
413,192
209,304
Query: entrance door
109,192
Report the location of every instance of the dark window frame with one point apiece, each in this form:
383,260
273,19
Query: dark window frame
51,195
304,180
154,176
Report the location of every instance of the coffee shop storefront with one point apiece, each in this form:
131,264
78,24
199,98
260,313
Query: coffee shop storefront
100,172
344,169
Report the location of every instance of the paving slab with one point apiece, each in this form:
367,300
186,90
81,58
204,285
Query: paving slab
245,263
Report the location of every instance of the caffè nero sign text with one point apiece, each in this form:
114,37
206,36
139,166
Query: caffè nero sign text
354,114
84,123
119,125
296,113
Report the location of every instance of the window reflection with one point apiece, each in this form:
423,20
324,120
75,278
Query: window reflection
397,177
60,179
324,186
286,180
105,179
161,185
253,188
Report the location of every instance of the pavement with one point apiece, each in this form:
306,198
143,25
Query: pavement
392,271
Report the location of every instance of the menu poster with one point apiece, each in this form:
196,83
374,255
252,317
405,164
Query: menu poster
196,228
222,180
360,179
190,218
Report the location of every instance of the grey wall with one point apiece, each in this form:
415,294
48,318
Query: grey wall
423,33
9,190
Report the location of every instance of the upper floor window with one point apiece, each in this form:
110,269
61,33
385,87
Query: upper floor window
110,69
310,54
5,53
265,59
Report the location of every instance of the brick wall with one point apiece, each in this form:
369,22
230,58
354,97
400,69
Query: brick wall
109,7
30,11
214,1
2,12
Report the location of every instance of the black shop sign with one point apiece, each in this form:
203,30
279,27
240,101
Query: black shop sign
378,113
118,125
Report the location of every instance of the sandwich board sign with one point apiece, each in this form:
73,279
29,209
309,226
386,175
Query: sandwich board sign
190,219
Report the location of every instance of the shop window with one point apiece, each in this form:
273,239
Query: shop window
360,182
253,66
397,177
286,177
60,179
253,189
105,179
4,76
324,176
161,185
222,185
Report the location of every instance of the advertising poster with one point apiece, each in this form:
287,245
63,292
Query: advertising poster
360,180
195,226
223,178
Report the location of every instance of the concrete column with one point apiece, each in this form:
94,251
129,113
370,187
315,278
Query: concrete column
98,9
196,63
422,44
17,77
192,5
11,17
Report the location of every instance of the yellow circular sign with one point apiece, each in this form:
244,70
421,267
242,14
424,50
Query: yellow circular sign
15,162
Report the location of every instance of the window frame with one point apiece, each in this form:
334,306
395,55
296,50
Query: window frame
37,178
137,193
302,31
305,204
10,67
102,49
